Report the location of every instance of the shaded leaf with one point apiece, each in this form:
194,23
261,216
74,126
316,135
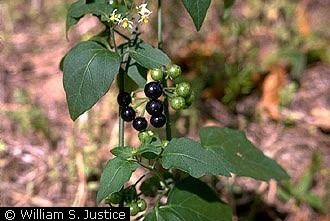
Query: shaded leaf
150,186
138,74
222,151
115,174
89,70
148,56
123,152
197,10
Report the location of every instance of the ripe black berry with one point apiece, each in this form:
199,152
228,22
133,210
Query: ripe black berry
155,107
158,121
140,123
124,99
127,113
153,90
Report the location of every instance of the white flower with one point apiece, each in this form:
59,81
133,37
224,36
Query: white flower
114,17
144,13
144,19
125,23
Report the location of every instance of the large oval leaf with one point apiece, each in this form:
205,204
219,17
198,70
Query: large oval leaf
189,156
148,56
116,173
191,200
222,151
241,156
89,70
197,10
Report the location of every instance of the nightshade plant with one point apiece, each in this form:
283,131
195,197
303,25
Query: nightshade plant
173,165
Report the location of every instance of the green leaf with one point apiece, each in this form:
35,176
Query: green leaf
197,10
240,155
102,38
154,146
116,173
89,70
123,152
150,186
70,20
189,156
222,151
138,74
148,56
80,8
191,200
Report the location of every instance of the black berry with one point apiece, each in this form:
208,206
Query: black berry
140,123
124,99
155,107
158,121
127,113
153,90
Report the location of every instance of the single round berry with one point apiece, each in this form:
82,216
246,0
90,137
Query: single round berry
158,121
178,103
153,90
156,74
133,208
141,203
183,89
114,198
173,71
140,123
124,99
155,107
127,113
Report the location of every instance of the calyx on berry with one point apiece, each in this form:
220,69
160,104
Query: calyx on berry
146,136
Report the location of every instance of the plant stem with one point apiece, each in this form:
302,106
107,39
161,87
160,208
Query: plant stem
160,46
121,135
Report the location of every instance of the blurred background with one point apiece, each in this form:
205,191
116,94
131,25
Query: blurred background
262,66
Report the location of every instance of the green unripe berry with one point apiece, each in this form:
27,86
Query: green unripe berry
114,198
141,203
190,99
144,136
173,71
183,89
178,103
133,208
156,74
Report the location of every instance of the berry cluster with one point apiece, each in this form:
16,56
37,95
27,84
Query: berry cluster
155,107
128,114
181,97
128,197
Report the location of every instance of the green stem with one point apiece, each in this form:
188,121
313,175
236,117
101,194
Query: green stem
160,46
121,135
